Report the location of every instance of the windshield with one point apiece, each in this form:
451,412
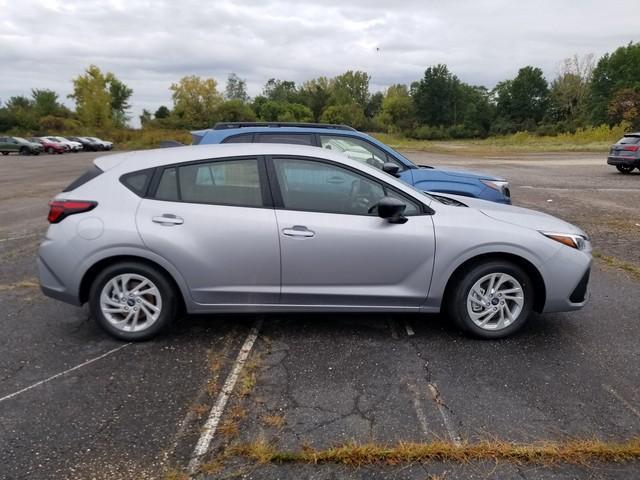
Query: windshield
20,139
629,140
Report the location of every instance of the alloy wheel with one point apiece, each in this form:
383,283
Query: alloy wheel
495,301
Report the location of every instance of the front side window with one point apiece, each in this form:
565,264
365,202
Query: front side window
321,187
357,150
227,182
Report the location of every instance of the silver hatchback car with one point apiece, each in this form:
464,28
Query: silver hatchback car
275,228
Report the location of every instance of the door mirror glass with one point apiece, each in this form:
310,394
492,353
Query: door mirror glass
391,169
392,209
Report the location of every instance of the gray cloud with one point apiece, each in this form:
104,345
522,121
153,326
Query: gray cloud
150,44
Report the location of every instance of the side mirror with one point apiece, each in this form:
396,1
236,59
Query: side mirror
391,169
392,209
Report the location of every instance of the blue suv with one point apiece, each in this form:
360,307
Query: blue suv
362,147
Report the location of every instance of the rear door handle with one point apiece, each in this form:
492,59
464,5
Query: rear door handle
298,231
168,219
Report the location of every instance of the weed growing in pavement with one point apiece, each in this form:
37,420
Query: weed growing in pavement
614,262
575,451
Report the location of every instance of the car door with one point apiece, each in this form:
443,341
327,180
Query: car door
334,251
213,220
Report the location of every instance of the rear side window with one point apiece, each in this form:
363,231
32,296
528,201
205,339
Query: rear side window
90,174
137,182
290,138
629,140
244,138
227,182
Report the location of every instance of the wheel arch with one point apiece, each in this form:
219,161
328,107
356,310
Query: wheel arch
539,287
93,271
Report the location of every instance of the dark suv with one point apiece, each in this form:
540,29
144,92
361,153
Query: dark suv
364,148
625,154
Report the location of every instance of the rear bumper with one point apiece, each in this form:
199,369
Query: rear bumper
52,286
626,161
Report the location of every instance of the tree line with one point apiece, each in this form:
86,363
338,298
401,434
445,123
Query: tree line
437,106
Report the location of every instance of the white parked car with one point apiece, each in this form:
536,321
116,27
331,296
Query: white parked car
73,146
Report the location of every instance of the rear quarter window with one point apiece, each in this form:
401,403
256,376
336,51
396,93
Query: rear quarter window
629,140
242,138
289,138
137,182
87,176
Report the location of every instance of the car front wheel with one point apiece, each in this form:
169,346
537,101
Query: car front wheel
491,300
132,301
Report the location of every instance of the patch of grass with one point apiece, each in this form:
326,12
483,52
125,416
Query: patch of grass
27,283
199,410
591,139
569,451
276,421
249,375
175,474
614,262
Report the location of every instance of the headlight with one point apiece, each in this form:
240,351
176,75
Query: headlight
499,185
579,242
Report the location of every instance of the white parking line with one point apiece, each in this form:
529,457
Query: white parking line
444,413
215,415
624,401
84,364
422,418
9,239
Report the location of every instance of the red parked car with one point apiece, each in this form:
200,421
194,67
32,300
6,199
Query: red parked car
49,146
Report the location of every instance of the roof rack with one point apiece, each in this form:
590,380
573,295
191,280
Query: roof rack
328,126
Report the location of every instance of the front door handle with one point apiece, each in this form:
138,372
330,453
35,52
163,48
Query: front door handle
168,219
298,231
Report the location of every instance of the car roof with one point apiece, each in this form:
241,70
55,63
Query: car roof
122,163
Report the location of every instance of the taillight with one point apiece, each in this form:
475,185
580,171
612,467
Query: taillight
631,148
61,209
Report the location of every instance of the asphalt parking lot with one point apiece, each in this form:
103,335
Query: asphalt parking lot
111,410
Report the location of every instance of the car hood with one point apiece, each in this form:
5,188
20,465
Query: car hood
523,217
459,173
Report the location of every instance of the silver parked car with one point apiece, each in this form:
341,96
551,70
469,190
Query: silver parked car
272,228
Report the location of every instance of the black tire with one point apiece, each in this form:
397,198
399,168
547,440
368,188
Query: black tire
5,153
50,151
625,168
456,301
25,151
167,294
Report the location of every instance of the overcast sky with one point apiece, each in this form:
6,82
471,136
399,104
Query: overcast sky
150,44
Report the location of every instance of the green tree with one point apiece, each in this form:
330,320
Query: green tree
195,101
613,72
236,88
120,95
93,99
145,117
569,92
280,91
162,112
625,107
351,87
524,99
397,110
435,97
235,111
348,114
45,102
316,94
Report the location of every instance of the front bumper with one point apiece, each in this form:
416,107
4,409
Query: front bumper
566,276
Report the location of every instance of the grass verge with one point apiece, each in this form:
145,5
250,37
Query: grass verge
570,451
614,262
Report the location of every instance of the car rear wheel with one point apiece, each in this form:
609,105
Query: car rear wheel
50,151
491,300
24,151
5,153
625,168
132,301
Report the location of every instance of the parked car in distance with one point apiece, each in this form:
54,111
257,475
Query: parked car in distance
19,145
88,145
74,147
106,145
362,147
625,154
49,146
286,228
